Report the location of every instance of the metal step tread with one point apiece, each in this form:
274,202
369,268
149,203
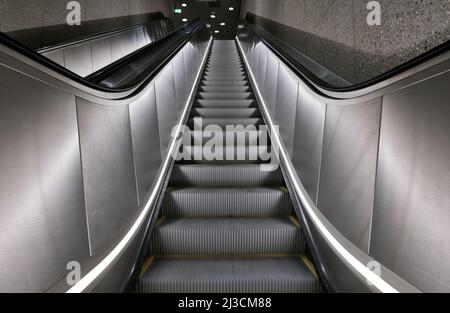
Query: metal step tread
227,236
244,175
232,275
227,202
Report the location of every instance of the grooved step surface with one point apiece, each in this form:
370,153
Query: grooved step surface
224,176
239,202
261,275
227,237
226,112
225,103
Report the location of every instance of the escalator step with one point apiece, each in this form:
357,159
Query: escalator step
261,275
224,176
226,112
225,88
222,202
225,103
227,237
223,122
226,95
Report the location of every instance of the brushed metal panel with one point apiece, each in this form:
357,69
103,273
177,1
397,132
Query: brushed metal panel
411,233
166,107
257,55
146,146
261,78
42,213
270,85
180,82
101,53
286,106
189,66
141,37
108,172
118,47
308,140
78,59
56,56
347,178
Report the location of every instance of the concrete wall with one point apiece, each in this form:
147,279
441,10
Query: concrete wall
335,32
25,14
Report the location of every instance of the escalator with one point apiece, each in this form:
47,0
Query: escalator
227,225
220,218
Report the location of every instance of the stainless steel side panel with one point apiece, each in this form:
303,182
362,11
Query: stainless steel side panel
411,225
308,140
188,65
286,106
78,59
42,213
146,146
261,77
180,82
56,56
347,178
270,82
101,53
166,106
108,172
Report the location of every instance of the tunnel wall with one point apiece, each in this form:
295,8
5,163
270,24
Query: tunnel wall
336,33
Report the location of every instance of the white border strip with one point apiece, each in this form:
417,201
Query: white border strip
101,267
340,250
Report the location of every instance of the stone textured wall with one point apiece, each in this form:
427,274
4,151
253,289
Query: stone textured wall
25,14
335,32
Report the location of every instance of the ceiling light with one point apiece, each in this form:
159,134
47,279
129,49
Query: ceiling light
213,16
184,5
185,20
222,24
216,31
231,8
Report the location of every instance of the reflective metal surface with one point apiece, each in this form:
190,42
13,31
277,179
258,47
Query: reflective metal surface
347,176
180,82
286,106
146,146
42,213
79,59
108,172
270,82
309,127
167,106
411,233
101,53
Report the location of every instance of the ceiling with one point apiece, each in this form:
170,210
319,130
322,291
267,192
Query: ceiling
223,21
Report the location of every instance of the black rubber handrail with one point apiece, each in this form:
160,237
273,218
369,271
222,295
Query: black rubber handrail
301,71
187,29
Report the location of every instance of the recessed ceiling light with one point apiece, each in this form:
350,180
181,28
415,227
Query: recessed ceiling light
213,16
216,31
185,20
231,8
184,5
222,24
